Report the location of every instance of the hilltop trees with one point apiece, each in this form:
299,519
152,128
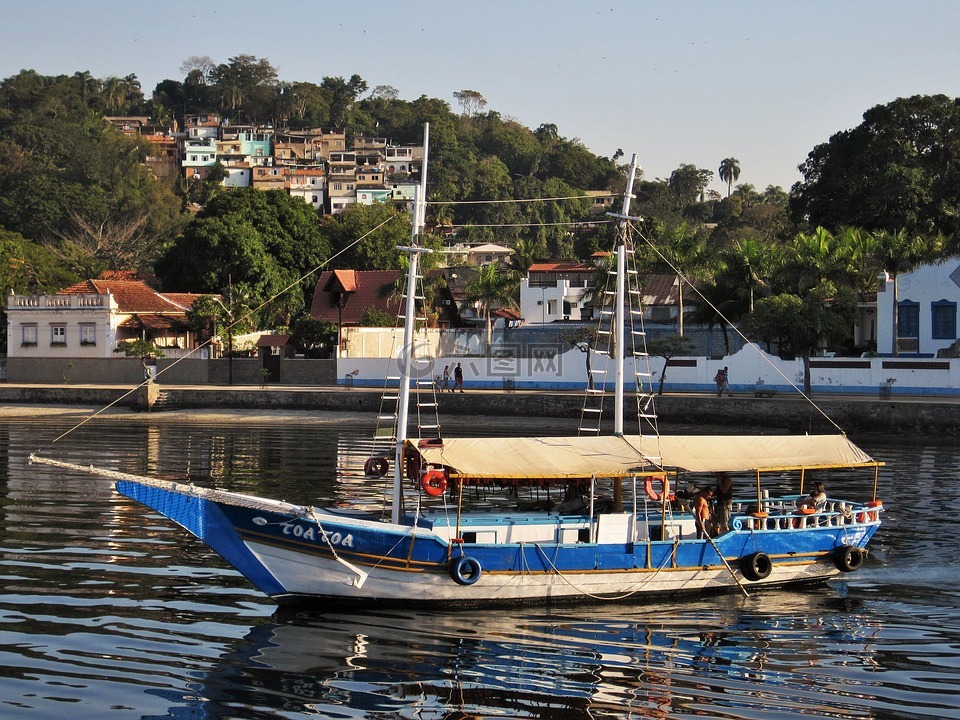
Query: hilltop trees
729,172
259,242
898,169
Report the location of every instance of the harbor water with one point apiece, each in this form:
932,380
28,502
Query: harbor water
109,611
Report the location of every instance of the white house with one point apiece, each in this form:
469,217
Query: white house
557,290
927,301
87,320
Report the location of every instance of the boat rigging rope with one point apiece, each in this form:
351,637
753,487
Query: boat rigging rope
607,597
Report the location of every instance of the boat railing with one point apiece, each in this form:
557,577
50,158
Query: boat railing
783,514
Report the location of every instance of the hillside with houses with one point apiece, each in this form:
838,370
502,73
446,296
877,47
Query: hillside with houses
242,216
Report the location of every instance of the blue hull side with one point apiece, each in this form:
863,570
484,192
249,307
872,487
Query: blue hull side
205,520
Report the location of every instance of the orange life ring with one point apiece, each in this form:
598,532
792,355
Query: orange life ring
378,466
875,506
653,494
434,483
805,510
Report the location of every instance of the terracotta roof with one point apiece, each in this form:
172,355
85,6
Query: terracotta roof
132,296
184,300
265,341
342,281
151,321
560,266
368,291
507,313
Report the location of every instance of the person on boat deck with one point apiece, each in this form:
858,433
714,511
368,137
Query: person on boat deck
817,499
724,503
457,378
446,379
701,512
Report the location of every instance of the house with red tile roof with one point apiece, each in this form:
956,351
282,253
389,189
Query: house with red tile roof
88,319
342,296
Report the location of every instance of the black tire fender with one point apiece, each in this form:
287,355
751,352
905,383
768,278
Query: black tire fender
757,566
848,558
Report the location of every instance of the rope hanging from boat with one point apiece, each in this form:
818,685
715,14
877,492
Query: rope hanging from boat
614,598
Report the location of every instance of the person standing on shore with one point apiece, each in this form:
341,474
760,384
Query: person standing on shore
718,379
446,379
457,378
726,382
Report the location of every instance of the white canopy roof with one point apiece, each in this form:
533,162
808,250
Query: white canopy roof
577,457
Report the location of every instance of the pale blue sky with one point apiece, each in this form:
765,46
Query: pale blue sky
675,82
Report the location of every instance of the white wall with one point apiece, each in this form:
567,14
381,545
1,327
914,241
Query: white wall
567,371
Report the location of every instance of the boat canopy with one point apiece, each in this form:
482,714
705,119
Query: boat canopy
612,456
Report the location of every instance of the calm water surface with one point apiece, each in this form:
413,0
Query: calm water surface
108,611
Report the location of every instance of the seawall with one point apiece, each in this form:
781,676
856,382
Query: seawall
899,415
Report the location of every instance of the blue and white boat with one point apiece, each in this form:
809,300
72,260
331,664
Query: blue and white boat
606,527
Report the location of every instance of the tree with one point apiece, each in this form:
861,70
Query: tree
260,242
202,65
667,347
489,289
377,249
898,169
313,336
729,172
142,349
687,183
471,101
685,253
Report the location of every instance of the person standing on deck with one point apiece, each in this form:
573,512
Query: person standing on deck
701,512
724,502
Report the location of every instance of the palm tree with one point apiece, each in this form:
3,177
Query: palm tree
897,252
748,262
686,251
491,288
729,172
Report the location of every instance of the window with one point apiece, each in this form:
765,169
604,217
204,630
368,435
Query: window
944,316
88,334
28,334
908,320
58,334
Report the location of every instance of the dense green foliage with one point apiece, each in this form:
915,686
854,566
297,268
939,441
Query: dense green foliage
76,199
261,243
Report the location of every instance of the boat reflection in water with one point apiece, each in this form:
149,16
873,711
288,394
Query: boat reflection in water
721,656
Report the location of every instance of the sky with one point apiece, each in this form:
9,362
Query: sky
672,81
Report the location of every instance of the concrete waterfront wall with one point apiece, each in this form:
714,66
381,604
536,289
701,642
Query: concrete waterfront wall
899,416
170,371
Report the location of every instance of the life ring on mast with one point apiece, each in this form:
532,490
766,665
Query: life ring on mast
376,466
434,482
653,494
465,570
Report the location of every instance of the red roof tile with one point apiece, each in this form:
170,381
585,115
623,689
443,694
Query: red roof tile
132,296
372,288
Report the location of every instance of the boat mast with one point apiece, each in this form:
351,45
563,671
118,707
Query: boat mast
619,347
408,352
